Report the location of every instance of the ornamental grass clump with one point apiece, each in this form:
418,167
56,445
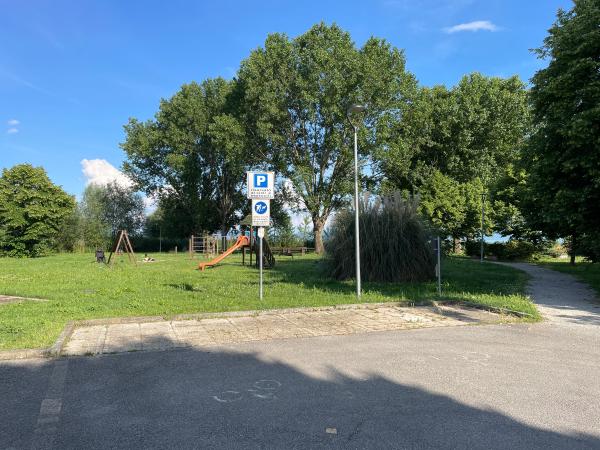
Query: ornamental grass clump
394,242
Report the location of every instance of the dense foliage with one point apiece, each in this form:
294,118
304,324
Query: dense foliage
394,242
192,157
32,211
470,131
101,213
296,94
563,158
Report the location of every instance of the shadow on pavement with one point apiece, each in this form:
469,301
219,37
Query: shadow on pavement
220,398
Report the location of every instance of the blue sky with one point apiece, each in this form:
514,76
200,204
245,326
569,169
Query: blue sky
72,72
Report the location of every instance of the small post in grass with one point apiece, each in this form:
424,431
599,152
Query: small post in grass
438,267
482,221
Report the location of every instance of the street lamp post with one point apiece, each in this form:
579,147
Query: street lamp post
356,109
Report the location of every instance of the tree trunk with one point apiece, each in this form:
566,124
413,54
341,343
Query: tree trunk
572,249
318,226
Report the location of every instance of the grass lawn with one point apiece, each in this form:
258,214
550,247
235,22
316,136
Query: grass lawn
78,288
587,272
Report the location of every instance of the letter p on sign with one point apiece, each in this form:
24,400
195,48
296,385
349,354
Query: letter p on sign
260,180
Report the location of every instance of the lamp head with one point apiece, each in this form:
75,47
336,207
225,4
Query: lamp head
356,108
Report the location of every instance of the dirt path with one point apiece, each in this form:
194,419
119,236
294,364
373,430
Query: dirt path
560,297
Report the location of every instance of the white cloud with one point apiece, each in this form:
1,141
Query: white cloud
13,122
101,173
477,25
12,130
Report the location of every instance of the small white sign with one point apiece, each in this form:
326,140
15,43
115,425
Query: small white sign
261,212
261,185
261,232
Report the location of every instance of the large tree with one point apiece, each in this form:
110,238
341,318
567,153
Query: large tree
563,160
106,209
296,94
122,208
454,208
32,211
469,132
192,156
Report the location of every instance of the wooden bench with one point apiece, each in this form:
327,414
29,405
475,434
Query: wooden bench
290,251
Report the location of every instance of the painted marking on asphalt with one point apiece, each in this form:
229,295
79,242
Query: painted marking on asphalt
477,358
228,396
51,407
267,384
263,389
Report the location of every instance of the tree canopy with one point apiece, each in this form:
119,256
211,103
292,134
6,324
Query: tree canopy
563,158
191,156
296,94
470,131
32,211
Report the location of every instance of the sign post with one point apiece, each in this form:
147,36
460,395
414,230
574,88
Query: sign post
261,235
438,267
261,190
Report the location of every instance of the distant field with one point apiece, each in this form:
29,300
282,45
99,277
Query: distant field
585,271
78,288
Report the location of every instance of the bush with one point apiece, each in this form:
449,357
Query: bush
513,250
473,248
588,246
394,242
556,250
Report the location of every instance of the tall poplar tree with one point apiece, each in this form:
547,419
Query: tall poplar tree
296,94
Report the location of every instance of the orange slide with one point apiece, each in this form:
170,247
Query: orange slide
241,242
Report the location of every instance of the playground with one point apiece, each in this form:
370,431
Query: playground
75,287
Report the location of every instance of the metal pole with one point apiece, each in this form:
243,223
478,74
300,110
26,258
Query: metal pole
260,264
439,266
356,212
482,219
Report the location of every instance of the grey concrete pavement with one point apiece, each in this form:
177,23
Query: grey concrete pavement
497,386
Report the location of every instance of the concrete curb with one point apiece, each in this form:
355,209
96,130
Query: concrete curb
55,350
64,336
23,354
495,309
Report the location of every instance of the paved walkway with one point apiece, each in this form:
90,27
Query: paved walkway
560,297
124,337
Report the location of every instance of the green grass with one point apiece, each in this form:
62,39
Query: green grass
77,288
587,272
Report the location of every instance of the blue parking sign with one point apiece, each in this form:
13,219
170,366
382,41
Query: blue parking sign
261,180
260,184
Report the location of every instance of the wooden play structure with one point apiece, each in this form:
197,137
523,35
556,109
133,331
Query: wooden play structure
246,241
121,244
205,245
